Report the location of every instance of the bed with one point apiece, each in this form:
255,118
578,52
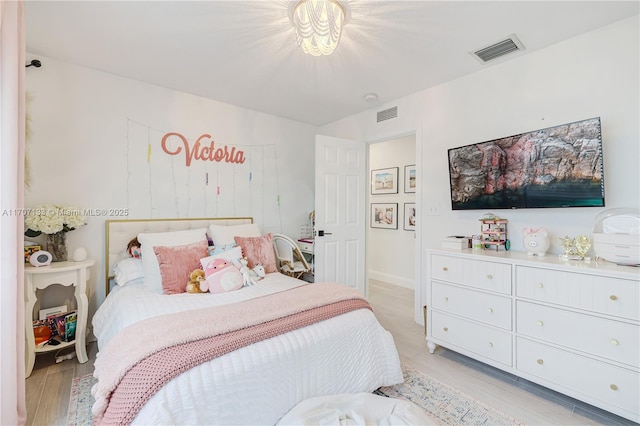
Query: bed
255,382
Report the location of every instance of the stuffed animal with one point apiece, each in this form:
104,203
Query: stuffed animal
259,271
536,241
249,276
221,276
241,264
195,279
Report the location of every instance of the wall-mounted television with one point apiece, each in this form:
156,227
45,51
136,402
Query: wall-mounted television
558,166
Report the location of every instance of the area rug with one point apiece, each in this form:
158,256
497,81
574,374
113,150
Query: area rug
446,405
80,401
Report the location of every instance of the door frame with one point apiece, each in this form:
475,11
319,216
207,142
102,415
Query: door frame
420,257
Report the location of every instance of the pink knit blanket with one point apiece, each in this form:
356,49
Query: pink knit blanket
146,355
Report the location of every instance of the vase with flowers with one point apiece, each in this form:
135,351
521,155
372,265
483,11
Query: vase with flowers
54,221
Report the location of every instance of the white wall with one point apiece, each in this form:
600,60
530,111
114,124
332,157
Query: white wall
595,74
391,251
90,136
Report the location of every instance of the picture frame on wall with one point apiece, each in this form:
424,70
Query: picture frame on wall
410,178
410,216
384,215
384,181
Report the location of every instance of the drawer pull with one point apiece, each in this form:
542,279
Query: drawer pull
489,277
540,361
540,323
490,310
446,329
446,299
445,269
614,342
539,285
613,297
613,387
490,344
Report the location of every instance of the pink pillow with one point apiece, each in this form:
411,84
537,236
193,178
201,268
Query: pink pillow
176,263
258,250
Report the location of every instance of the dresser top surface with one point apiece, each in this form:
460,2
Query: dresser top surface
521,258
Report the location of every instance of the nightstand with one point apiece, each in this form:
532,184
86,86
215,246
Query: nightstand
306,248
66,274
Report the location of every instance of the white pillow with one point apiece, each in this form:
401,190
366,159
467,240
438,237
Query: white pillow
232,255
152,276
223,235
127,270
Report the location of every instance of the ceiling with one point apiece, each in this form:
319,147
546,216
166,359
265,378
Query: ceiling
245,53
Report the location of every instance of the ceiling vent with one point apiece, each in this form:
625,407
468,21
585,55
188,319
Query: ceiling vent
499,49
387,114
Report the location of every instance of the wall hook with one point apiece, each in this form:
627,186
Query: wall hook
36,63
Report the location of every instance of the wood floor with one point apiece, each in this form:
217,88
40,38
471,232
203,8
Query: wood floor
49,385
516,397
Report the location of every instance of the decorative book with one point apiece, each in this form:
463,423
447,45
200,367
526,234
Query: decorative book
65,325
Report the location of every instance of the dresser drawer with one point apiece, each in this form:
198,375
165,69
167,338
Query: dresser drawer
615,386
607,338
488,308
606,295
482,340
481,274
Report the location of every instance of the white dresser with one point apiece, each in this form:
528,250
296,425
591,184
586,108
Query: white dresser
570,326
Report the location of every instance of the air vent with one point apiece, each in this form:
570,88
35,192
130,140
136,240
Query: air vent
501,48
387,114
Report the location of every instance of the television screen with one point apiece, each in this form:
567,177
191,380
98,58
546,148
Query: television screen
558,166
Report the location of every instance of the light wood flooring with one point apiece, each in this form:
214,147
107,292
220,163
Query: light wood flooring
49,385
516,397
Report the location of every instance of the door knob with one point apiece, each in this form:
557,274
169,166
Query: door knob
322,233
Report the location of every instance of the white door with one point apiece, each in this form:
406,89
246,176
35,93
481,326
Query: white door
340,186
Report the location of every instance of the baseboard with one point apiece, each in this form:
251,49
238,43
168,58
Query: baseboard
392,279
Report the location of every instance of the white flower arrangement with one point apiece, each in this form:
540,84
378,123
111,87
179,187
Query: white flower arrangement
51,219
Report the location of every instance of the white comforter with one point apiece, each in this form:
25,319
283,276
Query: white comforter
260,383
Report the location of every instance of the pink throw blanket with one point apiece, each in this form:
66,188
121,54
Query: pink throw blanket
144,356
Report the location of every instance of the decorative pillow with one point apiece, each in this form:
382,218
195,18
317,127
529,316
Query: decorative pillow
259,250
152,277
222,235
231,255
219,249
176,263
127,270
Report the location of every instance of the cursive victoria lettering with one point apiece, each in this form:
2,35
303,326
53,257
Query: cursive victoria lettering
203,149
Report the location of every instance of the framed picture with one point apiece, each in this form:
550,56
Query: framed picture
384,215
44,313
410,216
384,181
410,178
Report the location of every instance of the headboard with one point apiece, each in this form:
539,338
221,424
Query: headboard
120,231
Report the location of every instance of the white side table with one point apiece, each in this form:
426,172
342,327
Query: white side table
67,274
306,247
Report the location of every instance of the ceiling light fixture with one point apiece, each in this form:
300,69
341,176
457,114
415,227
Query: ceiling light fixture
370,97
318,25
